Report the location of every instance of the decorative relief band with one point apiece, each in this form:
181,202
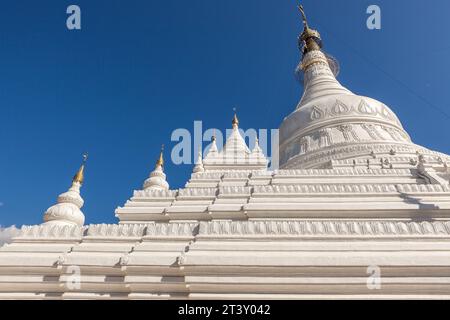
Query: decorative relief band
344,228
320,156
325,137
114,230
236,175
149,193
198,192
408,188
234,190
208,175
243,228
340,108
172,229
342,172
109,231
330,188
372,131
348,132
51,231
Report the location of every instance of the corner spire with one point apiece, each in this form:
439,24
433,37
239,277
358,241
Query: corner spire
157,179
199,164
79,176
310,39
213,150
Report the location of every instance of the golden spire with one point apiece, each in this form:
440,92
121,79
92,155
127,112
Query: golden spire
309,39
79,176
160,161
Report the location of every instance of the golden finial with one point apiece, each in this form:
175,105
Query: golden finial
160,161
302,11
310,39
79,176
235,121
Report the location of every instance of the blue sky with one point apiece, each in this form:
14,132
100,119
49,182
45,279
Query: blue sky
140,69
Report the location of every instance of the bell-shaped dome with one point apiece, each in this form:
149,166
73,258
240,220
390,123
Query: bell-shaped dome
331,122
64,214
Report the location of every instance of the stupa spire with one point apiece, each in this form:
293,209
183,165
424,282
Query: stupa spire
256,148
310,39
213,150
235,121
317,69
79,176
199,164
160,162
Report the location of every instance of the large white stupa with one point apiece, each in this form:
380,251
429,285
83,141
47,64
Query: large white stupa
357,210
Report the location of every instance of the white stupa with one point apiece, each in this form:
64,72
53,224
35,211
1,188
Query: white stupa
157,179
357,210
66,212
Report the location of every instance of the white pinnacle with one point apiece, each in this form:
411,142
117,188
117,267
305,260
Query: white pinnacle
199,164
157,179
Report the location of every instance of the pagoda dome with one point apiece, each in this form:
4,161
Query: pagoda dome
331,122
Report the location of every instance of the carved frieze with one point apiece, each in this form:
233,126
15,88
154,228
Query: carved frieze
393,133
152,193
51,231
348,132
328,188
372,131
325,137
234,190
305,144
324,228
321,156
197,192
116,230
172,229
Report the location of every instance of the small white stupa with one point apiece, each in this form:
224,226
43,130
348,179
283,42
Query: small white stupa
67,209
157,179
235,155
199,164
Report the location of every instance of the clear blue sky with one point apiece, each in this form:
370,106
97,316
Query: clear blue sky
140,69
